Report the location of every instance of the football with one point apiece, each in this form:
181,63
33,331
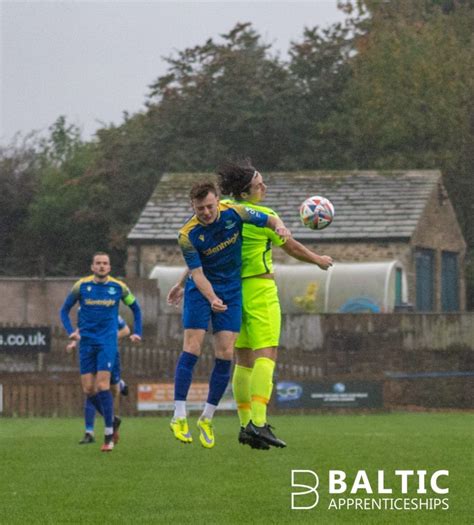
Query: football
316,213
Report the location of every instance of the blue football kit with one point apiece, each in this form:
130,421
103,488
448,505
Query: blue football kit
116,373
98,320
216,248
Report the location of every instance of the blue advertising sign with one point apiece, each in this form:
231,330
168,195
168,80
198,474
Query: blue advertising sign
336,394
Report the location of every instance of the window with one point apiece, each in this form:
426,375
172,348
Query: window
449,282
424,260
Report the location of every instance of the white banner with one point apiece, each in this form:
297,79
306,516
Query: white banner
161,397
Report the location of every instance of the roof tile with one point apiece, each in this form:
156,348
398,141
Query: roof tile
367,204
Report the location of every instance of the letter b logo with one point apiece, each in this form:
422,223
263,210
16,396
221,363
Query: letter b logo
308,476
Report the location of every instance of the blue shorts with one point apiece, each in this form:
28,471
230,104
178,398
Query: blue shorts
116,371
197,311
96,357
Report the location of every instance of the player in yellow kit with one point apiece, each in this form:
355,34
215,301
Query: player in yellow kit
257,344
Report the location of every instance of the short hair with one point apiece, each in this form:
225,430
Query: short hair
99,253
235,177
201,189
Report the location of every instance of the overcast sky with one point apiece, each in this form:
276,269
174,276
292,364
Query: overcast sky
92,60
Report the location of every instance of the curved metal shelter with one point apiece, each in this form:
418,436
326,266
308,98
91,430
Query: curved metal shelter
303,288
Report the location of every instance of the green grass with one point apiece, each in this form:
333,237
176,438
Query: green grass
46,477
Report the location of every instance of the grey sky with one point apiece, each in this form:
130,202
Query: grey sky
91,61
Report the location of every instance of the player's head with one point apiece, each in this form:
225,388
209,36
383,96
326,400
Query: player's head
205,201
241,181
100,265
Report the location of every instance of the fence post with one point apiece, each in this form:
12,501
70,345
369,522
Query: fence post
40,361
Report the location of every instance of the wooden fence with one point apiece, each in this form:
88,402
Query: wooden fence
416,368
59,394
62,397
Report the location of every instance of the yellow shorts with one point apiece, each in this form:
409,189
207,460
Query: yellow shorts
261,314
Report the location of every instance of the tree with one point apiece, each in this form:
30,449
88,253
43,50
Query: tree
222,100
63,226
320,70
19,183
410,102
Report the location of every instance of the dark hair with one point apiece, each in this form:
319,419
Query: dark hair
200,190
235,178
99,253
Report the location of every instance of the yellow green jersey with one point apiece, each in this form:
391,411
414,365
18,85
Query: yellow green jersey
257,243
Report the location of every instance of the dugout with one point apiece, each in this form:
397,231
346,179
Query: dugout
373,287
369,287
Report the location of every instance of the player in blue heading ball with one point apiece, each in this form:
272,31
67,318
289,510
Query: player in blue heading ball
211,242
99,297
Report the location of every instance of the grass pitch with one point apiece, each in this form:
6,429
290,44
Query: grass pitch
46,477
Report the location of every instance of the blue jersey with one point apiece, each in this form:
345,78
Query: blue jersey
121,322
98,317
217,247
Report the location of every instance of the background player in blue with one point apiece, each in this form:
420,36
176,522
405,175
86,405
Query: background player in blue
99,298
211,244
117,387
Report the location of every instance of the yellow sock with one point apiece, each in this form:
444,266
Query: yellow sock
241,389
261,385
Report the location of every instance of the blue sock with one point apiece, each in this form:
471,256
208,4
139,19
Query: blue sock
89,415
184,375
95,401
107,402
219,380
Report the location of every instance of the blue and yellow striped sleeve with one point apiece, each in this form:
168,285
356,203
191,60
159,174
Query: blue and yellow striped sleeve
76,287
129,299
70,301
190,254
250,216
127,296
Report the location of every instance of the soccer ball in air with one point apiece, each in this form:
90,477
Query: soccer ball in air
316,213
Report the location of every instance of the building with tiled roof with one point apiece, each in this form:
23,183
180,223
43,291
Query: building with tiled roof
404,215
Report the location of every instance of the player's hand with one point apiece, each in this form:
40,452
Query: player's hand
135,338
324,262
75,336
71,346
283,232
218,306
175,295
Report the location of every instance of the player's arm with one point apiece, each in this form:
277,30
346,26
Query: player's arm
124,332
69,302
71,345
263,220
194,264
298,251
277,225
124,329
175,295
205,287
129,299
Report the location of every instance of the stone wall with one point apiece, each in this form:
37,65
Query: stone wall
142,258
145,257
38,301
170,254
439,230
